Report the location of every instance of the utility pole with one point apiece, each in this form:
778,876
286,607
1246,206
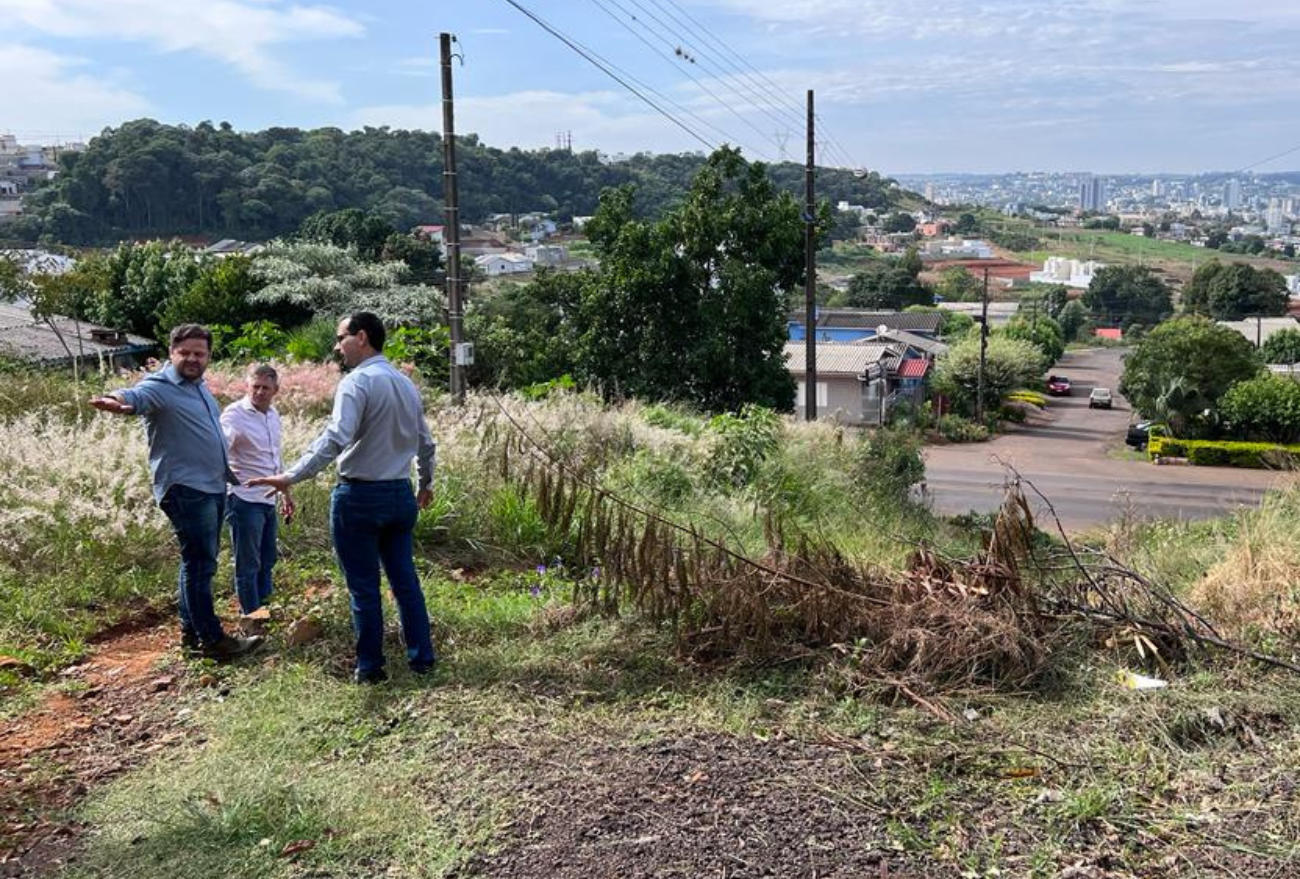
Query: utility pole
984,344
810,275
451,227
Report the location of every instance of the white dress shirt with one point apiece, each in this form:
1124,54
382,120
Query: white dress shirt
253,446
376,430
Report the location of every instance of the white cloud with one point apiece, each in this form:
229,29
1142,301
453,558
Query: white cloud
241,33
56,99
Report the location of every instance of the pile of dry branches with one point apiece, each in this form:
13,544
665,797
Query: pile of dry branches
995,620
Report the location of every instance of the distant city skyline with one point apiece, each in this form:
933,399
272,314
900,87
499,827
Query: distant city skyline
1110,87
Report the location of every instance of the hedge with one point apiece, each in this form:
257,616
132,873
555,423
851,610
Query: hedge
1216,453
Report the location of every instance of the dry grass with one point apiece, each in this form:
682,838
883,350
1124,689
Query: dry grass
1254,592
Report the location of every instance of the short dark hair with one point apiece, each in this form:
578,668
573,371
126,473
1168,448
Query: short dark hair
185,332
374,327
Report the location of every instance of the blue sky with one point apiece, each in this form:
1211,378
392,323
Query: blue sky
903,86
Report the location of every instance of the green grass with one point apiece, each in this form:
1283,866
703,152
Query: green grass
1113,247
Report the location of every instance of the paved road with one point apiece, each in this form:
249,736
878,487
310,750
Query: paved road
1069,455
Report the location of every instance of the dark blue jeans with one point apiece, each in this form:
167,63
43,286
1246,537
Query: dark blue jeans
253,530
196,520
372,524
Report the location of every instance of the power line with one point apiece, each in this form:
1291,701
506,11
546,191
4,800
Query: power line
678,51
796,112
550,30
633,32
691,55
772,88
1294,149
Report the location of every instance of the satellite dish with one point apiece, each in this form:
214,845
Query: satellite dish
859,173
882,329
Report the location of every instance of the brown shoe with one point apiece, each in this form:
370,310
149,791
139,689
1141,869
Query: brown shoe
232,647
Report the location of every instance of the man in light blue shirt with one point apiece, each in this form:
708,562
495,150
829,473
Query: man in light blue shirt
187,459
376,430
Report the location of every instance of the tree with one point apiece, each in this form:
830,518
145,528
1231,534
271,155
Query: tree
1124,295
1264,408
846,226
1009,364
140,279
1235,291
330,281
890,284
1043,332
955,323
899,222
349,227
967,224
1071,319
422,256
1281,347
958,285
527,334
690,307
1192,360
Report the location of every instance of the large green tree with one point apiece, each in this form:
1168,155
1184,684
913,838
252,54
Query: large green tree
1124,295
690,307
1009,364
889,284
1235,291
1181,368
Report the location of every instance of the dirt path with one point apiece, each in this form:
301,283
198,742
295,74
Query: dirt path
111,717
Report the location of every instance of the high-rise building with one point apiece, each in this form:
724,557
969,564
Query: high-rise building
1274,216
1232,194
1157,188
1092,194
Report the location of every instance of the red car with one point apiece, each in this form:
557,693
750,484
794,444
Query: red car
1058,386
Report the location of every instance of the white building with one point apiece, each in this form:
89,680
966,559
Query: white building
1070,272
965,248
496,264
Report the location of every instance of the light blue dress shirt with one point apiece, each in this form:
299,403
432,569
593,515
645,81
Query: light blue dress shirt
377,428
182,422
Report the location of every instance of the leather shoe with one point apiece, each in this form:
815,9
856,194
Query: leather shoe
232,647
378,676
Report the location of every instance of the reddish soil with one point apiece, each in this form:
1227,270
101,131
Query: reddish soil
50,756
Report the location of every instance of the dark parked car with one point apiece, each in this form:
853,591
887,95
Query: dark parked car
1138,434
1058,386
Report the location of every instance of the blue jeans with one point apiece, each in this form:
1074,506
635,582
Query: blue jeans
196,520
253,530
372,523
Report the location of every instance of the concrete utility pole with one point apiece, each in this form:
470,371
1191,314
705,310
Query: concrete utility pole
451,227
984,344
810,274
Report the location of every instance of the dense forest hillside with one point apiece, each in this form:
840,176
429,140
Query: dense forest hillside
145,178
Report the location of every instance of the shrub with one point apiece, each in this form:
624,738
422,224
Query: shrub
746,441
1264,408
957,429
1218,453
887,463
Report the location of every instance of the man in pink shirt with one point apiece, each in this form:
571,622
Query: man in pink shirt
252,429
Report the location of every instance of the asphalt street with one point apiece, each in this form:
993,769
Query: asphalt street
1074,456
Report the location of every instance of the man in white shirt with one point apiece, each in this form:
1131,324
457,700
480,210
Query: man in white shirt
252,430
375,432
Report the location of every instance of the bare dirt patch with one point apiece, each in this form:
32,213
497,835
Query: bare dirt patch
694,806
83,736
